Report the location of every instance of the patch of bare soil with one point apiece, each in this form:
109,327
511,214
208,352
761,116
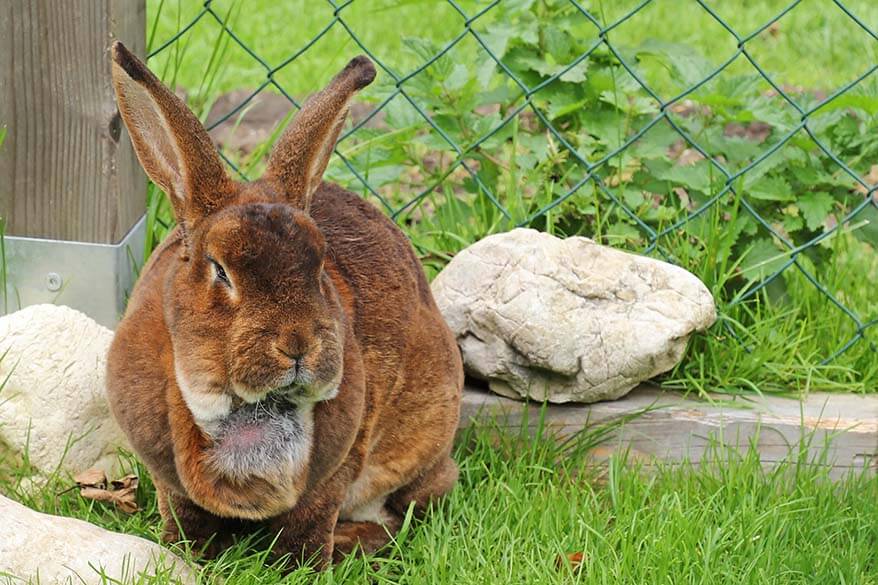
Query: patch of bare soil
251,125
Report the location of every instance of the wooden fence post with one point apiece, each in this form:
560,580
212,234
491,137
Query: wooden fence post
71,192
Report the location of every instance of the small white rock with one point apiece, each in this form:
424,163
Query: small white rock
567,320
53,360
65,550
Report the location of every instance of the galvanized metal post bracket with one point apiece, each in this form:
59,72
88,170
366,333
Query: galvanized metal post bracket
93,278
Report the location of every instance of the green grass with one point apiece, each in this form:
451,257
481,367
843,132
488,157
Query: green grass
277,30
814,33
524,503
779,340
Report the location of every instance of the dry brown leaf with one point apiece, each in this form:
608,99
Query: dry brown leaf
573,560
625,175
128,481
93,477
122,492
680,152
683,194
617,179
126,500
871,179
684,108
774,29
781,230
753,131
830,222
676,148
688,108
689,156
97,494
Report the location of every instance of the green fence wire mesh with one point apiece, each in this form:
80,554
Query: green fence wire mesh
529,80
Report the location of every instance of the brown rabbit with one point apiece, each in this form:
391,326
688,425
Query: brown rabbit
282,363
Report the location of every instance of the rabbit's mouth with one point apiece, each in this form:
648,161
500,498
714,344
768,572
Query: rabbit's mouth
298,387
262,438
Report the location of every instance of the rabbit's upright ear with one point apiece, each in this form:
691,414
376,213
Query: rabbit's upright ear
302,153
170,142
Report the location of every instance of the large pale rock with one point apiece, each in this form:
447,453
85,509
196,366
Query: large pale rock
53,403
64,550
567,320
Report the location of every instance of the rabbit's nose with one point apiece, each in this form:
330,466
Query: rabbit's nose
291,354
291,343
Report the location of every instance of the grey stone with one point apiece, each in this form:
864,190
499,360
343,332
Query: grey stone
37,547
567,320
53,402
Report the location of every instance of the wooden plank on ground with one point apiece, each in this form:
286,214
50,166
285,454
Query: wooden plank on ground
843,427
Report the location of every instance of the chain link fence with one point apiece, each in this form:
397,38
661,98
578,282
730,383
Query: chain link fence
610,155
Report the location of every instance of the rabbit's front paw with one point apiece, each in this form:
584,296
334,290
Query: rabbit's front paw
204,533
313,548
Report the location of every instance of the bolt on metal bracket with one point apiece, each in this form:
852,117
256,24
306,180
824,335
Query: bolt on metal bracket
93,278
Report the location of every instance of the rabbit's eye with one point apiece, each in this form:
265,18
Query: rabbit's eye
220,272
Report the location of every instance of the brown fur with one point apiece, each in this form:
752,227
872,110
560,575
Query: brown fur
320,289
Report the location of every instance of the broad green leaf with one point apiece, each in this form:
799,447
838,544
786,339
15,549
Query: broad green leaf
511,7
557,43
497,36
460,75
605,124
792,224
688,65
696,176
866,103
633,198
577,73
762,259
771,189
400,114
622,233
562,101
547,67
815,207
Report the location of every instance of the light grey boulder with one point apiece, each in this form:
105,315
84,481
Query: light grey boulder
36,547
567,320
53,402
